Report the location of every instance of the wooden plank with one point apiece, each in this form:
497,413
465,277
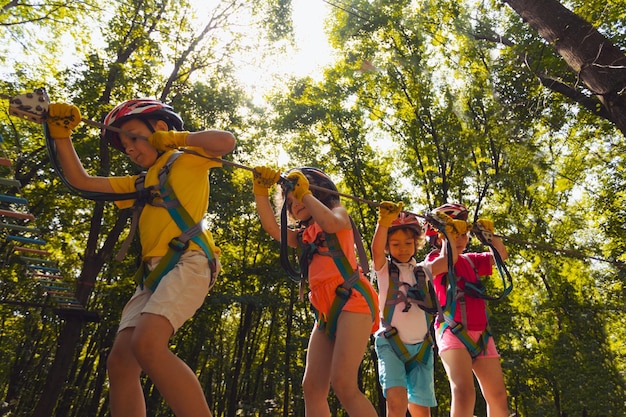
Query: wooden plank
19,227
46,277
16,214
31,250
38,260
13,199
43,268
10,182
22,239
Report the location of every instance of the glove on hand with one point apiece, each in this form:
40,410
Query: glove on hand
483,230
301,185
264,178
388,212
62,119
451,225
165,140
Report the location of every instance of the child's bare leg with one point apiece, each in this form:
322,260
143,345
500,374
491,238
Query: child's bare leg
397,401
316,381
353,330
125,392
419,410
458,366
489,374
176,382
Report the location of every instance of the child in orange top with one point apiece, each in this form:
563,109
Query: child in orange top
333,359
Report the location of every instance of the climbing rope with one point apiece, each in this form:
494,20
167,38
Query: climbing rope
33,107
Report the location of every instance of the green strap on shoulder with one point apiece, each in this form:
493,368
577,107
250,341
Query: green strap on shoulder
192,231
343,291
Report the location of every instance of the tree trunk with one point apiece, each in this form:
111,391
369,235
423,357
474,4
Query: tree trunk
599,64
70,333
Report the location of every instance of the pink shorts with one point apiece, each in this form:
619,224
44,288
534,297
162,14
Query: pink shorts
449,341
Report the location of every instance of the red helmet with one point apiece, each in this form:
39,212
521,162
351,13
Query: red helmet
456,211
406,221
139,108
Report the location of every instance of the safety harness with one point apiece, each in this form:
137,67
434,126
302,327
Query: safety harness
455,298
351,276
423,295
163,196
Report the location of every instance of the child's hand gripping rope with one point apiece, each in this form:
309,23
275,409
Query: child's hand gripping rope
264,178
483,230
448,227
387,212
300,185
62,119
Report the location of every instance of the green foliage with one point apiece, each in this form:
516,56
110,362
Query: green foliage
428,102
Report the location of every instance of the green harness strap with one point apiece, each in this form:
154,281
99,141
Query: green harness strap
351,282
394,297
456,297
192,231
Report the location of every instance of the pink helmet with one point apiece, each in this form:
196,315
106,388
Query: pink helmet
144,109
456,211
406,221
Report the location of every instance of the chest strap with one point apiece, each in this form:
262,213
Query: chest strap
351,281
191,230
422,294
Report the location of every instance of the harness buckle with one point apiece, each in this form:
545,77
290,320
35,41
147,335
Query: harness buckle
457,328
343,292
390,333
178,245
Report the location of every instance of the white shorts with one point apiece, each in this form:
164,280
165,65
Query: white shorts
179,294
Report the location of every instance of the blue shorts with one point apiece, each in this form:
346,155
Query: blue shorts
419,383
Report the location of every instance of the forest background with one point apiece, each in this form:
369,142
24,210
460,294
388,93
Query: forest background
514,108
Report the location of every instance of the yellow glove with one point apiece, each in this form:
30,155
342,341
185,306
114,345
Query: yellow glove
483,230
62,119
264,178
301,185
388,212
165,140
486,224
451,225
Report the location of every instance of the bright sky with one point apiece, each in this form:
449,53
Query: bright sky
311,53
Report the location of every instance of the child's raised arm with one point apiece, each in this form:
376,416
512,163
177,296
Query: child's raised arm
330,220
387,213
213,142
62,119
263,179
484,231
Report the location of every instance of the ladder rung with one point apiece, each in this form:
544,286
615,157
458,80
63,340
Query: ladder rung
13,199
26,240
5,162
69,298
60,287
46,277
72,306
61,293
30,250
10,182
43,268
38,260
19,227
16,214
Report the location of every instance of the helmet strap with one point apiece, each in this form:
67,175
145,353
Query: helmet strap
148,124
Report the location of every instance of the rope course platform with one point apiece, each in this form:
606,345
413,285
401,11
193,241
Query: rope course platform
24,247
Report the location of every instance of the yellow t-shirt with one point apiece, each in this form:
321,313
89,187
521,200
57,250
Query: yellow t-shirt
189,178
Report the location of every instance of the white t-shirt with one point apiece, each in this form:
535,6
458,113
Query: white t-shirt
412,325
